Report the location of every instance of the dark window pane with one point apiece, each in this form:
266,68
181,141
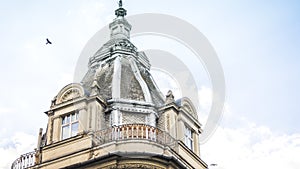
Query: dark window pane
64,120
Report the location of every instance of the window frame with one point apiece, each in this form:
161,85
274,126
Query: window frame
188,137
72,119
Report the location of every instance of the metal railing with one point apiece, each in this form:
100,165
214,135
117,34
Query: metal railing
24,161
134,132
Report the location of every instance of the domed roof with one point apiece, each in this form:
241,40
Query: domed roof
119,71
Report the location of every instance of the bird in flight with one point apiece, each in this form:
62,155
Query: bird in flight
48,42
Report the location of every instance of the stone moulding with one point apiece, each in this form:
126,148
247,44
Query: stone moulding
69,92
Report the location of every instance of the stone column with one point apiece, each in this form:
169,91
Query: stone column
196,143
115,117
82,120
50,128
180,131
152,120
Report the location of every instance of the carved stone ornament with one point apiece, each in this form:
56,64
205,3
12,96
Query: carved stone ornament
132,166
187,105
169,97
125,45
95,88
69,92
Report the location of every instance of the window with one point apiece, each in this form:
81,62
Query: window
69,126
188,137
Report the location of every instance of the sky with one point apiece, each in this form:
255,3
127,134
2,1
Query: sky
257,44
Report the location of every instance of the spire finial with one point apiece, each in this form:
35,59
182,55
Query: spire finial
120,4
121,11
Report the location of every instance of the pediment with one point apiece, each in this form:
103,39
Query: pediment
186,105
70,92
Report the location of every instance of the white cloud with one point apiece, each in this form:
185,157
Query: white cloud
35,72
205,98
252,147
12,148
244,144
4,110
165,82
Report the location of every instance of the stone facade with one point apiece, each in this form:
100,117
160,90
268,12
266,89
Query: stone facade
117,118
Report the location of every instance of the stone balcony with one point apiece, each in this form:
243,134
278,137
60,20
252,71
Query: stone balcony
128,137
24,161
133,132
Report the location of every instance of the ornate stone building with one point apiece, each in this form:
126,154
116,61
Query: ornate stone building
117,118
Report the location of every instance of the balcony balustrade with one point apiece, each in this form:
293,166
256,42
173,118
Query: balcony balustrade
24,161
116,133
134,132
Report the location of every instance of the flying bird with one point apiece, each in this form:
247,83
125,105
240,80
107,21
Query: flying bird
48,42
